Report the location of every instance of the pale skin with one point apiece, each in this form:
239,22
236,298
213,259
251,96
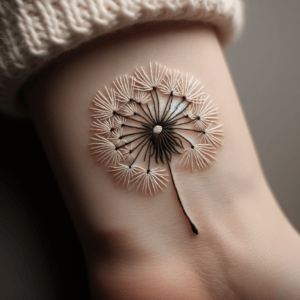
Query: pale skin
141,247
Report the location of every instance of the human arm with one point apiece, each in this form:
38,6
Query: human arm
243,234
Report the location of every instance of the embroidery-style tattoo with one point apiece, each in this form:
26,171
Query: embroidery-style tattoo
145,119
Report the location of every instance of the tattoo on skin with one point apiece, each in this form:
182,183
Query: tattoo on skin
145,119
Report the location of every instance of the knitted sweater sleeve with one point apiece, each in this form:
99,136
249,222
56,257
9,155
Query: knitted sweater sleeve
32,32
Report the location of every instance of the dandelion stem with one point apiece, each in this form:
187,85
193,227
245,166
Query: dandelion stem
194,228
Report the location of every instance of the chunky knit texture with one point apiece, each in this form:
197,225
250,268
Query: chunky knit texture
33,32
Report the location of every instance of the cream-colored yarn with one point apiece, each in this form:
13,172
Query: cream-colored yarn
33,32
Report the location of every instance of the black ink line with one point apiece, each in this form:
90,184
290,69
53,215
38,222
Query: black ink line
199,131
117,148
179,112
145,124
157,104
184,138
139,150
148,148
153,120
194,228
175,110
141,106
129,134
179,118
166,110
146,138
154,107
183,123
125,125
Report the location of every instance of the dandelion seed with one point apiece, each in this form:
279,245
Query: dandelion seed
150,181
129,109
104,106
124,88
170,83
123,173
119,122
141,97
199,155
204,114
117,138
105,127
190,112
189,88
105,151
146,82
212,135
127,153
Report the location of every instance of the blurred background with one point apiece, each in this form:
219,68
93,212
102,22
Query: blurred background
40,255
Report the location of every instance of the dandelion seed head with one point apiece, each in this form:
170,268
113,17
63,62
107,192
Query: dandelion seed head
143,120
149,118
157,129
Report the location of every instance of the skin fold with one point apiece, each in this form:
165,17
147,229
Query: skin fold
141,247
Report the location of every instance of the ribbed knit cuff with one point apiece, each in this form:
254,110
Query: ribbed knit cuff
33,32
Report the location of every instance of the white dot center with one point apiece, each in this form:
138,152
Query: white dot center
157,129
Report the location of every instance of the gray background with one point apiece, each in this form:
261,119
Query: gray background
265,65
36,233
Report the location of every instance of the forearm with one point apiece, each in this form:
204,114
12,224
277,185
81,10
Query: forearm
120,230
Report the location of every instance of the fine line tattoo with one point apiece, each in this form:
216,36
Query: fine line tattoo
145,120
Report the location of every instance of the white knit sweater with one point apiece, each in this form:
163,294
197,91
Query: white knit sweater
33,32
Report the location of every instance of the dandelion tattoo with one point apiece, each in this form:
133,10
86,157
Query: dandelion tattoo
146,119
